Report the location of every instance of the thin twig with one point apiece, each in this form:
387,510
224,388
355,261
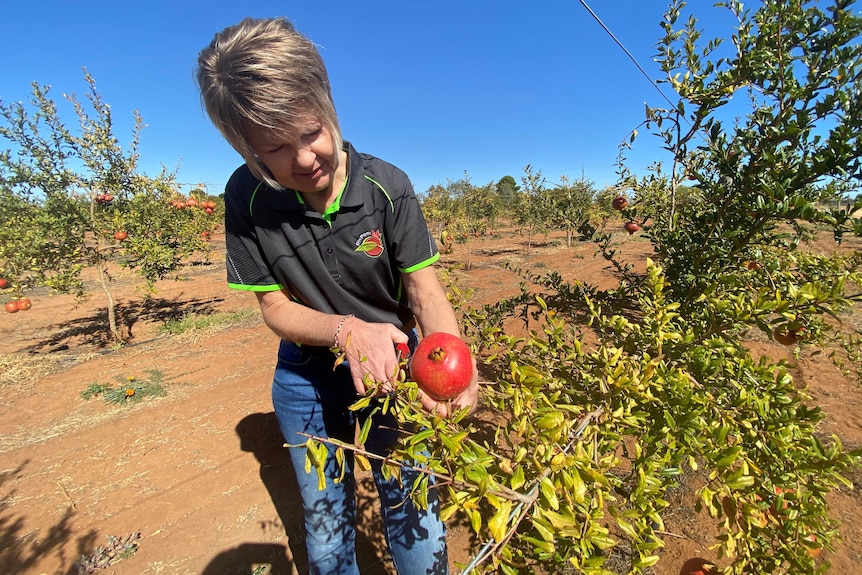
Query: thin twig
669,534
524,502
503,492
28,534
66,493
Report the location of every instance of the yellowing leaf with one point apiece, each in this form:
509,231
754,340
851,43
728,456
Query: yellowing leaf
360,403
448,511
475,519
549,492
498,523
362,462
579,488
339,457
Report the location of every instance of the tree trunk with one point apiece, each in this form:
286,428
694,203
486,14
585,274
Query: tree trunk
112,312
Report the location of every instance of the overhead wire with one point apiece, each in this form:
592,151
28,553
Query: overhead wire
624,49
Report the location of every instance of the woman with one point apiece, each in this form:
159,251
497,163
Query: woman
335,247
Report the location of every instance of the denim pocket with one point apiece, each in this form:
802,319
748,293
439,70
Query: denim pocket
291,354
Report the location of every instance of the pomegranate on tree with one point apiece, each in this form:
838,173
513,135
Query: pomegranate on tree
697,566
442,366
786,335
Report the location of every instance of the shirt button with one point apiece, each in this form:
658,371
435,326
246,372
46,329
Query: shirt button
329,250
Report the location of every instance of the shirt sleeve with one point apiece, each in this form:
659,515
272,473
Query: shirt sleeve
411,241
246,267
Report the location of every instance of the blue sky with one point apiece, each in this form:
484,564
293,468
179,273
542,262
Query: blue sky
440,89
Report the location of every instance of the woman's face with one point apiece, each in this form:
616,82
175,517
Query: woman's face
306,161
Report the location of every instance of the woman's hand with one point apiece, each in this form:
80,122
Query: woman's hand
468,398
370,351
434,313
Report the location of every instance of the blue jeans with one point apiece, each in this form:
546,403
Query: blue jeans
310,397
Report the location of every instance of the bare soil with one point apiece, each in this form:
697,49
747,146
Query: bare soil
199,479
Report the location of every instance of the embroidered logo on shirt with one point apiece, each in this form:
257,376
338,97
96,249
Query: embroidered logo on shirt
371,243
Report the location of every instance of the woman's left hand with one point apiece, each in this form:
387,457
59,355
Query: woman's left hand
468,398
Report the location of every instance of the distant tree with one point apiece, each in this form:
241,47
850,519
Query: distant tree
533,205
438,206
570,205
77,200
480,207
507,192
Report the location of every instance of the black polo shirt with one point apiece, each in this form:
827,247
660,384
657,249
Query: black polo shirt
348,260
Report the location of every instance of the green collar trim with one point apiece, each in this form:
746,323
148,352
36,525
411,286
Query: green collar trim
333,207
336,205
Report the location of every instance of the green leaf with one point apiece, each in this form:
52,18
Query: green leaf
451,445
361,403
365,430
544,546
517,480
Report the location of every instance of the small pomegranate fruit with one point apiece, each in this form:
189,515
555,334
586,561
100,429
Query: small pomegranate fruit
697,566
632,227
620,203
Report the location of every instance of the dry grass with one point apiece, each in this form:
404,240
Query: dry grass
193,327
25,369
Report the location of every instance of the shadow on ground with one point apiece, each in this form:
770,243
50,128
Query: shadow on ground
22,549
93,330
259,434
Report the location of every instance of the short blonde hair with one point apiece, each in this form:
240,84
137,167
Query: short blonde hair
262,74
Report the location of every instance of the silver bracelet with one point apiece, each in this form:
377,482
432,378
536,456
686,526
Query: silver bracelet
338,329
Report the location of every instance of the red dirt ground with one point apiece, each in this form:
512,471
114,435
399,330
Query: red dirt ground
201,474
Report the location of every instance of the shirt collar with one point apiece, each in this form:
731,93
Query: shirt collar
352,194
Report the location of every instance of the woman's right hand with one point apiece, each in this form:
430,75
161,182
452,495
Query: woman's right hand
370,351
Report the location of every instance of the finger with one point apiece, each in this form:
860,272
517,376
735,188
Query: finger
469,398
431,405
386,387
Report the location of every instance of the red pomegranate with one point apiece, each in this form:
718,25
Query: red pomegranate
697,566
620,203
442,365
